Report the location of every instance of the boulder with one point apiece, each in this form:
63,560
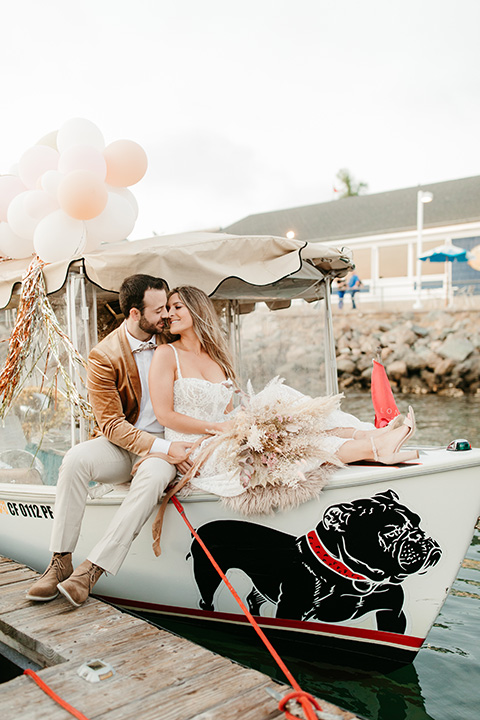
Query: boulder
420,331
345,366
444,367
456,347
397,369
400,352
415,361
364,362
366,374
429,358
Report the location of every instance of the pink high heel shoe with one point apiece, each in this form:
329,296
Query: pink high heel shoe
396,422
412,427
395,457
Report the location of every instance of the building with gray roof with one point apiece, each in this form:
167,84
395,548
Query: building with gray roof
383,232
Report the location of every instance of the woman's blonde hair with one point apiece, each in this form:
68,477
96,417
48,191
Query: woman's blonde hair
207,326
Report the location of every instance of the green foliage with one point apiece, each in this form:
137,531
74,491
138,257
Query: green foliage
349,186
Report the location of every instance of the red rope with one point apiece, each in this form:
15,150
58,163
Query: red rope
296,696
48,690
305,699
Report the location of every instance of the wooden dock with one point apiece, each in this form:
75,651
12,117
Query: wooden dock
157,674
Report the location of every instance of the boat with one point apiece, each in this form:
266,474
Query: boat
364,569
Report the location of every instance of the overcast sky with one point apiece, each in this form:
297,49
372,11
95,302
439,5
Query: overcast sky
248,106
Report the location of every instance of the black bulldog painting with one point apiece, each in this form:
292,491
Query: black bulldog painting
352,563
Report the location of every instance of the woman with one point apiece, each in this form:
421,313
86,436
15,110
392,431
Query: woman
192,383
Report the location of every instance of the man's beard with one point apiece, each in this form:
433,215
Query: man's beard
149,328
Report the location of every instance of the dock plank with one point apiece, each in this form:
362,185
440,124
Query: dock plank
157,674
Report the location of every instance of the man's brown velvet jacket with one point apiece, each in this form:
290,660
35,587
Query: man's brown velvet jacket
115,392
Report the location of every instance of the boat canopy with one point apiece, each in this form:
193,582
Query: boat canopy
245,268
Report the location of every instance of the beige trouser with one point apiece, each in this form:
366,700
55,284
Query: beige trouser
101,461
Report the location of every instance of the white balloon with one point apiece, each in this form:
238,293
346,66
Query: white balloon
49,139
27,209
92,244
10,187
13,246
115,223
127,194
50,182
79,131
83,157
34,162
59,237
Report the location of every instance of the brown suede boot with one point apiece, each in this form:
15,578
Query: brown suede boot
78,587
45,588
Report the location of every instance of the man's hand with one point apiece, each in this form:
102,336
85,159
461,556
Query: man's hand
179,452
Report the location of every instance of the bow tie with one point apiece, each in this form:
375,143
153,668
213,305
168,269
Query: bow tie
149,345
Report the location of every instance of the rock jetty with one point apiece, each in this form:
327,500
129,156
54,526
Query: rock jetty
434,352
423,352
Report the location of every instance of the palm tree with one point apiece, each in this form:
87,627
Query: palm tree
349,186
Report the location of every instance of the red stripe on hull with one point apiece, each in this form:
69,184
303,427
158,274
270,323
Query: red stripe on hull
318,628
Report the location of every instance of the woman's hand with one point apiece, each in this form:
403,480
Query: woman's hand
220,427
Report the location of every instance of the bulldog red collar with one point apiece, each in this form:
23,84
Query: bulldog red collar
331,562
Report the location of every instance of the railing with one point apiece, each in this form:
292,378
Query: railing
434,293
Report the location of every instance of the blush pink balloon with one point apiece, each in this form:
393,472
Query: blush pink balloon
126,163
10,187
34,162
83,157
82,195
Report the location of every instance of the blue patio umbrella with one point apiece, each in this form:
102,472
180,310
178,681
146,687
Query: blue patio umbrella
447,254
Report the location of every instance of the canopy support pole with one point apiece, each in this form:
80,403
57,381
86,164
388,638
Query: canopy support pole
331,378
71,295
233,331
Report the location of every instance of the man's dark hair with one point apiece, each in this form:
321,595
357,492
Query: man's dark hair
133,289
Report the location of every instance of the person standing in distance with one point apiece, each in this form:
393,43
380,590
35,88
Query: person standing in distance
354,285
117,381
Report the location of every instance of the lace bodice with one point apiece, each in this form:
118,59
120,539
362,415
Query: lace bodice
200,399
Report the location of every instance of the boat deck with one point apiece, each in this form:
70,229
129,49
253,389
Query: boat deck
157,674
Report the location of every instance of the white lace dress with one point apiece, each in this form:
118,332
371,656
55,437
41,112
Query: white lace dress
205,400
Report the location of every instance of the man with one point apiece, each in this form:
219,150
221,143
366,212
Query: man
341,288
354,285
117,381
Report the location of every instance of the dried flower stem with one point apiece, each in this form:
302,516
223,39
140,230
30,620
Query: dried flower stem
35,315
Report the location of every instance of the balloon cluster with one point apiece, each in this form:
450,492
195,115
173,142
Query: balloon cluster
69,194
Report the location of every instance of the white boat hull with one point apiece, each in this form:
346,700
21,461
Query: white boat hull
403,533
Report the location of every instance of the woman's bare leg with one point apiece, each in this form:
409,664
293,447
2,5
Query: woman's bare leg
356,434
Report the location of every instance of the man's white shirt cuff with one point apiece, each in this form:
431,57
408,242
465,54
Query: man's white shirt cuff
161,446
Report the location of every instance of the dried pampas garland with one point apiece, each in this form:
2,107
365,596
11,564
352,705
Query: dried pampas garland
36,317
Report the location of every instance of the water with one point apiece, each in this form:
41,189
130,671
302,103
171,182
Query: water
443,682
439,419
